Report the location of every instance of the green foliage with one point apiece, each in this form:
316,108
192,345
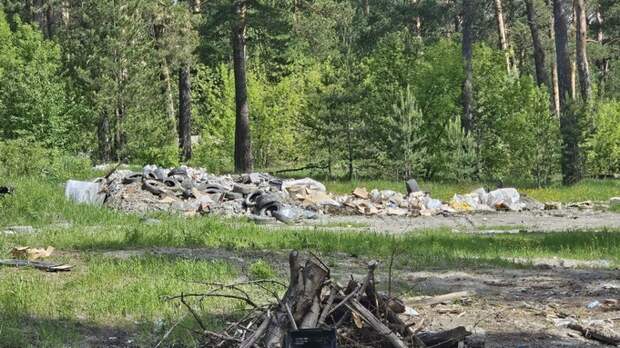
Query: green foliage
32,100
25,157
214,100
406,136
603,146
516,132
457,160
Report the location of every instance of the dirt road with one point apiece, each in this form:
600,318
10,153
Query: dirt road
489,222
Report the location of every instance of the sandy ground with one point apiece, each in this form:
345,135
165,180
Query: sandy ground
523,308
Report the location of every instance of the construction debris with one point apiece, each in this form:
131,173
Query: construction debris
28,253
25,256
192,191
45,266
316,305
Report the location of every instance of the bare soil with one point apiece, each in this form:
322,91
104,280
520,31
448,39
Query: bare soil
488,222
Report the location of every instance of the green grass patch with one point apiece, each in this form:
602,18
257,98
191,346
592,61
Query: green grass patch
344,224
590,189
126,294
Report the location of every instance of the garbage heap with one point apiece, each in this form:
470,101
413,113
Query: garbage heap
263,197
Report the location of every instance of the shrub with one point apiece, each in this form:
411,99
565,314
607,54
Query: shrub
24,157
603,145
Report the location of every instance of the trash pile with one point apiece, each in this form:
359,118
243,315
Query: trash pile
263,197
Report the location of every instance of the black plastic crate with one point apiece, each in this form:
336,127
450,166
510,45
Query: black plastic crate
311,338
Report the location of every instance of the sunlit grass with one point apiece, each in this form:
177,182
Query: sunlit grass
591,189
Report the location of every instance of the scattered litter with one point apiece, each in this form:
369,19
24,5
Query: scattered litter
594,304
28,253
553,206
410,312
11,230
581,205
506,199
46,266
360,192
84,192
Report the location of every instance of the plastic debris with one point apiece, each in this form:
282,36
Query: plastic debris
84,192
594,304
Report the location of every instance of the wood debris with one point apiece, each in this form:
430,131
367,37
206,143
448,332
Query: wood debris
357,313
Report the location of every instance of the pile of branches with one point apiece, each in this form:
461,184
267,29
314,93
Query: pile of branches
360,315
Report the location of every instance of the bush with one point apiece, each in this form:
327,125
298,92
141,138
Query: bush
603,145
24,157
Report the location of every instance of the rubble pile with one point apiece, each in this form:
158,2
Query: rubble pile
263,197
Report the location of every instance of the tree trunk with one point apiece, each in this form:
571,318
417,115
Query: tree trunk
366,7
350,152
196,6
164,75
65,12
49,19
120,136
39,15
416,23
555,87
501,30
539,52
468,90
185,113
243,145
603,63
167,85
568,120
582,56
103,138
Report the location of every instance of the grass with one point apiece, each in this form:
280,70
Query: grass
100,292
590,189
105,295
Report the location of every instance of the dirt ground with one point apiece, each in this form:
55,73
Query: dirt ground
523,308
488,222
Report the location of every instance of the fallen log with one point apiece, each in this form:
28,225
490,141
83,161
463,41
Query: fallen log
444,339
600,334
443,298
